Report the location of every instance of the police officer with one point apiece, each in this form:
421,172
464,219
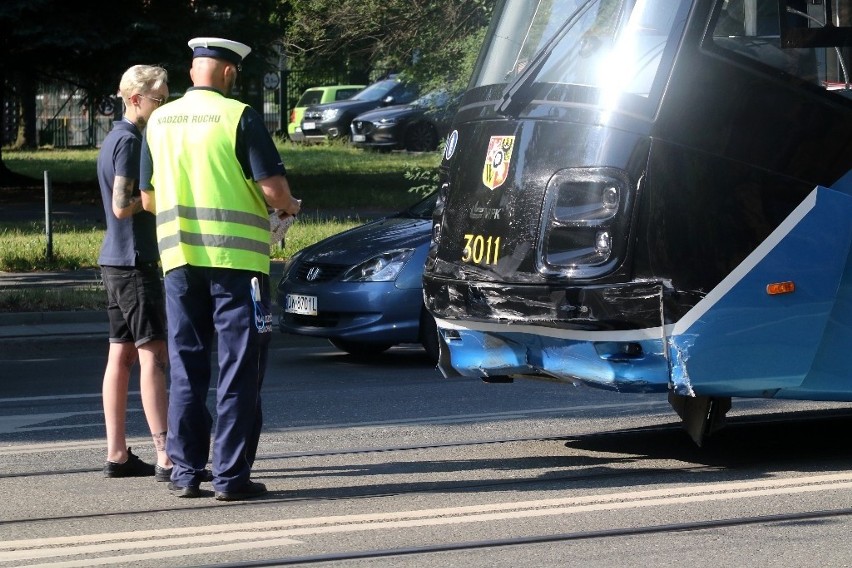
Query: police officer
209,171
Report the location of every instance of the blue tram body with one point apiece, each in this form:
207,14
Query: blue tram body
653,196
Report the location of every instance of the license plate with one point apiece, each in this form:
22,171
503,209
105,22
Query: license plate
309,125
302,305
359,138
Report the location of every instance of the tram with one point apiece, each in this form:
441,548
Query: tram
652,196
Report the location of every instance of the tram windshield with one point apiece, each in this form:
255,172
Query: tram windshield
604,44
622,49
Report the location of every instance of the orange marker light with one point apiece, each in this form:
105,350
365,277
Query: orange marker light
780,288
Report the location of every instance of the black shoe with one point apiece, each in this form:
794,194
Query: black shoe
248,491
165,474
133,467
190,491
162,473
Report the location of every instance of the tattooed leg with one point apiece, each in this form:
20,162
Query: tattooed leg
152,359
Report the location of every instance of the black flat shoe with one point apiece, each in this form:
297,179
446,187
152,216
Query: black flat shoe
133,467
248,491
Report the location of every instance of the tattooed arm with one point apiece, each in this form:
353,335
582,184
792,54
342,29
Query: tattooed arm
124,203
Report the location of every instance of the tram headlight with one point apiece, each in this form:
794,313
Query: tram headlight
603,243
585,222
609,197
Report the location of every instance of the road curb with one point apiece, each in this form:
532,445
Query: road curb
50,318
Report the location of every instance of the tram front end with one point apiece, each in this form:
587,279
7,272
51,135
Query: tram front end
617,197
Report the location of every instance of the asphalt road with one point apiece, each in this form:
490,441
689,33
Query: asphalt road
386,463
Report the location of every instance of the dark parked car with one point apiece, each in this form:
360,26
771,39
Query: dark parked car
417,127
362,289
331,120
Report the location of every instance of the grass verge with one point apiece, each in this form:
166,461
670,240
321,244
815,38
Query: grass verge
329,176
332,177
25,245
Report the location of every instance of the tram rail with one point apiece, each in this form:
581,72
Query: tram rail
540,539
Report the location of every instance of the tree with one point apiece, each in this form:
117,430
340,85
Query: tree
90,44
434,41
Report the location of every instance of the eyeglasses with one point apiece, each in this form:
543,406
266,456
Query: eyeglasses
157,100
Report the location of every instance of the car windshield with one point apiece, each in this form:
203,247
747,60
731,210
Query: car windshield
375,91
432,99
422,209
312,97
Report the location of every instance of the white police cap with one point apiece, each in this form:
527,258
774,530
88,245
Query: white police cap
219,48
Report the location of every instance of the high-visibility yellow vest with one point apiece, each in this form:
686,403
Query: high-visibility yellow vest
208,213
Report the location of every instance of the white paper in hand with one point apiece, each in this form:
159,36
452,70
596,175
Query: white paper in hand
278,227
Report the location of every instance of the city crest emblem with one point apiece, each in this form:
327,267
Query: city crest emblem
497,160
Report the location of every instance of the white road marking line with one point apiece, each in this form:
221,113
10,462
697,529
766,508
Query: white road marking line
26,422
197,542
276,533
57,397
164,554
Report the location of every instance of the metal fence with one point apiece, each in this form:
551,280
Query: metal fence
66,118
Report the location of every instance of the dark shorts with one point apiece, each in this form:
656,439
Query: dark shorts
136,305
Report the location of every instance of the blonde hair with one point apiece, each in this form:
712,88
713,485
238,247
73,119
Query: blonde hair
141,79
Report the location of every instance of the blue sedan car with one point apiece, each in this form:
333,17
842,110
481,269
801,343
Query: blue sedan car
362,289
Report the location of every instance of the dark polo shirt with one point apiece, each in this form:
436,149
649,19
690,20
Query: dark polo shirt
130,241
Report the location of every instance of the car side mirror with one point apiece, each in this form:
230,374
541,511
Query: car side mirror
387,101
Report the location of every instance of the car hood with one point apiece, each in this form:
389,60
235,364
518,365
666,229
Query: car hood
362,243
394,111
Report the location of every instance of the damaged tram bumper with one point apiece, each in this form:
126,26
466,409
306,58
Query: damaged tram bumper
607,336
740,339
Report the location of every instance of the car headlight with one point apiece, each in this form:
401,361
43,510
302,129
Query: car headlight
330,114
384,267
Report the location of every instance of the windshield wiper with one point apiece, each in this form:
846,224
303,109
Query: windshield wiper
512,104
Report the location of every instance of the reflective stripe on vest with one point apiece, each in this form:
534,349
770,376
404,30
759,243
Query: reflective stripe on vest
208,241
209,214
202,238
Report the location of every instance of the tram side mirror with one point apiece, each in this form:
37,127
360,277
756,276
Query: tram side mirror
812,24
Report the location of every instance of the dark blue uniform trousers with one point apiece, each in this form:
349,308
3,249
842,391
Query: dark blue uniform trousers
202,303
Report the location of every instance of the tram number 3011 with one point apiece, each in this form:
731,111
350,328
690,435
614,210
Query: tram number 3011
481,249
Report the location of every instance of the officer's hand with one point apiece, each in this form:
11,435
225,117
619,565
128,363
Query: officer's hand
292,212
295,206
